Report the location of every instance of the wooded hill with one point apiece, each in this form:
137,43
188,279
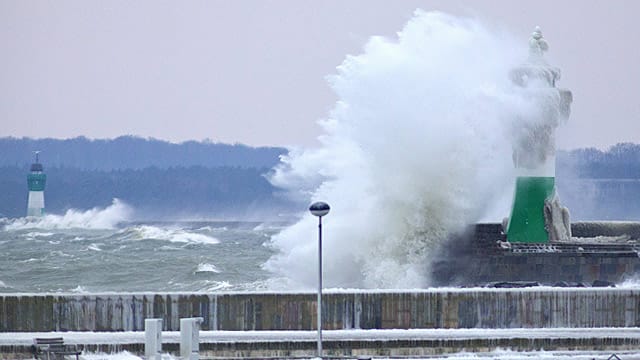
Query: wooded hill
166,181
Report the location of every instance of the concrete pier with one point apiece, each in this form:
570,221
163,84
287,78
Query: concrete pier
420,309
476,258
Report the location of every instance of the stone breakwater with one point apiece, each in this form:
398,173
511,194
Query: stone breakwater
600,251
421,309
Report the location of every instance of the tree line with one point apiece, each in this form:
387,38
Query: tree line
130,152
161,180
621,161
154,193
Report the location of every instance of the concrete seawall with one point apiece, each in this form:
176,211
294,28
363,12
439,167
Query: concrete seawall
422,309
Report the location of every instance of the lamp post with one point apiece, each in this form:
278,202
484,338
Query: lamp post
319,209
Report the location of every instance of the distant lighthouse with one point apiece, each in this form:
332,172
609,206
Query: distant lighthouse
36,181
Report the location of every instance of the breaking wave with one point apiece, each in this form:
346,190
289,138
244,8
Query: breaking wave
96,218
172,235
203,267
416,148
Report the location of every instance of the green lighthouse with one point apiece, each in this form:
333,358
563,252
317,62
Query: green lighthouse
536,213
36,181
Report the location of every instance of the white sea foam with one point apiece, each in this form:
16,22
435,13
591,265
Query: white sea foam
417,147
266,226
173,235
204,267
58,253
96,218
217,286
34,234
79,290
630,282
205,228
213,228
170,248
94,247
260,227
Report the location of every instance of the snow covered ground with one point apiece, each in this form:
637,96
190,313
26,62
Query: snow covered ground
412,334
130,337
493,355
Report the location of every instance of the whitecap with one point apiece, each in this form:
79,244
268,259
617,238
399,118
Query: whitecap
96,218
169,248
79,290
94,247
35,234
173,235
60,253
260,227
205,228
183,236
204,267
267,227
217,285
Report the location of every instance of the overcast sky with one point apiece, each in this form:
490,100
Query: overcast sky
253,72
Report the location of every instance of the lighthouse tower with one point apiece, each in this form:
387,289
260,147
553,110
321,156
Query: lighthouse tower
536,213
36,181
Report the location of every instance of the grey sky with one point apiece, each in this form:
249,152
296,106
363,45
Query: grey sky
254,71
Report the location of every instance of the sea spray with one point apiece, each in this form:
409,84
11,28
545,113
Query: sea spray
96,218
416,148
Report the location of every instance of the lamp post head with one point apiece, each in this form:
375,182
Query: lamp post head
319,208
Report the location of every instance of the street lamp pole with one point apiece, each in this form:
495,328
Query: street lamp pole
319,320
319,209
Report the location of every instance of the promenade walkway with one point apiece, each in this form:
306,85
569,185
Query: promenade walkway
376,343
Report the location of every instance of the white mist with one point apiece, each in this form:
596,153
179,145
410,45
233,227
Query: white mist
416,148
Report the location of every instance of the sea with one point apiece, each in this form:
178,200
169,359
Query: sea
50,255
414,149
97,252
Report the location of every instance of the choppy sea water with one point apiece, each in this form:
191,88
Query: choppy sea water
36,256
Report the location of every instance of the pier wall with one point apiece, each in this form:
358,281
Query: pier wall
475,259
458,308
